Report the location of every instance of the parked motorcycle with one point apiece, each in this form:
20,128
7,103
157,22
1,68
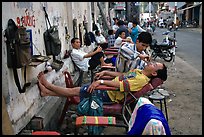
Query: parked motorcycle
165,50
195,23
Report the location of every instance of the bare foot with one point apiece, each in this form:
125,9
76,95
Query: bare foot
42,80
42,90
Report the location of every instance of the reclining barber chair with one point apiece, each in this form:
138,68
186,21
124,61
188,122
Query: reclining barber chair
113,109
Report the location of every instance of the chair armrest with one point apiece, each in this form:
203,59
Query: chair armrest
108,67
111,68
107,77
104,87
111,53
111,49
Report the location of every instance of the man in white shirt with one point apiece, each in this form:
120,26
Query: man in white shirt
87,61
121,39
100,39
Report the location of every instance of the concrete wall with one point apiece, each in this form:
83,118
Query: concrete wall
22,107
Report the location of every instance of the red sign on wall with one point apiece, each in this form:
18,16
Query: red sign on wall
26,20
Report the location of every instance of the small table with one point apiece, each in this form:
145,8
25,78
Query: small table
160,95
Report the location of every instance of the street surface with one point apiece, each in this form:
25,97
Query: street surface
189,42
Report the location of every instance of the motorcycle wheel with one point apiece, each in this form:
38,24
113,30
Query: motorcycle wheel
168,56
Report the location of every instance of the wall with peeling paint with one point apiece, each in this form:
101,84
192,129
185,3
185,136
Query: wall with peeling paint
22,107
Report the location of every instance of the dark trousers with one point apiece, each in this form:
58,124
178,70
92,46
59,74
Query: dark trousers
95,60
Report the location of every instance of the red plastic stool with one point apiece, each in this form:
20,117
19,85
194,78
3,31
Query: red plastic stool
45,133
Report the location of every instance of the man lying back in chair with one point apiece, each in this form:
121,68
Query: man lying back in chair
133,80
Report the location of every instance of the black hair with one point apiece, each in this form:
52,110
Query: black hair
145,37
115,18
96,32
120,22
120,32
135,22
161,73
73,40
110,32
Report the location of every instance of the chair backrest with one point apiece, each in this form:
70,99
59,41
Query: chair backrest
154,83
70,84
70,100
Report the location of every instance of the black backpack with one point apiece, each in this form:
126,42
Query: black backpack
18,51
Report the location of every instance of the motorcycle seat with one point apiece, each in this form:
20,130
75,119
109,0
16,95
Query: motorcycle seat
166,33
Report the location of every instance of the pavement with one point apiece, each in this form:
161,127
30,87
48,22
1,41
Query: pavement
199,29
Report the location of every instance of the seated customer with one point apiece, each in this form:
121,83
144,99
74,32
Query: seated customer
87,61
133,80
121,39
99,37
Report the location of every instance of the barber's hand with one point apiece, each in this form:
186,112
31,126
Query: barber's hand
146,58
93,86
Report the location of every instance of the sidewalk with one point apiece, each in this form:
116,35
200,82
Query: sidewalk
192,29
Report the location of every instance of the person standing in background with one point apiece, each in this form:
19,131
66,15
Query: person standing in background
115,25
121,28
134,31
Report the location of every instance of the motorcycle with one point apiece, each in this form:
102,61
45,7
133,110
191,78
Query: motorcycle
195,24
165,50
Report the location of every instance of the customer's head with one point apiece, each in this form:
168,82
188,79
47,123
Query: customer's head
122,34
156,70
115,19
143,41
75,42
97,33
120,23
110,32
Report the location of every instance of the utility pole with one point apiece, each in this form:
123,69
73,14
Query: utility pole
175,12
149,10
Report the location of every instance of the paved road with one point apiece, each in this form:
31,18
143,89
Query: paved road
189,43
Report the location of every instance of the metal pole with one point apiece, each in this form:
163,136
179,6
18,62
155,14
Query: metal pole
149,10
175,12
174,50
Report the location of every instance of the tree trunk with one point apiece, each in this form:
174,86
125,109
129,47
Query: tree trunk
107,27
